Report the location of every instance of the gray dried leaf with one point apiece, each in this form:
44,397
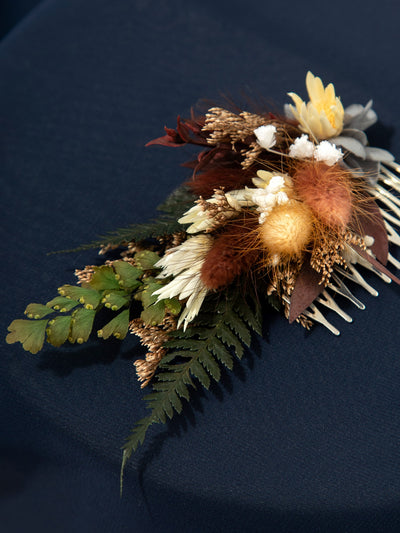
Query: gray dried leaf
355,134
360,117
351,145
378,154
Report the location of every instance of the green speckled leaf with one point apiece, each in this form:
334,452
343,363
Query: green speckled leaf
62,304
154,314
146,259
118,326
104,279
81,325
147,296
115,300
58,330
30,333
37,311
87,297
128,274
173,305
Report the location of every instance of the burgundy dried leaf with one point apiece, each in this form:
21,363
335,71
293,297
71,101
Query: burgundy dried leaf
190,164
205,157
187,132
171,139
372,224
204,183
376,263
191,132
308,286
183,130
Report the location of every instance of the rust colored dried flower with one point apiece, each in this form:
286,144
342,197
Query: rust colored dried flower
326,190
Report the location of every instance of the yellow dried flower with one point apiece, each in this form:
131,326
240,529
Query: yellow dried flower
322,116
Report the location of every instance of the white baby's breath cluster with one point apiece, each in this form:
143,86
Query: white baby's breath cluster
268,197
265,136
325,151
302,148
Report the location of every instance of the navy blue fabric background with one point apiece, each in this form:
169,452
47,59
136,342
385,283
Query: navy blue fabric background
304,434
12,12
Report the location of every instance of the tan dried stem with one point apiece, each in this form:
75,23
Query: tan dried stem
131,250
219,211
105,248
153,338
85,275
173,240
283,280
229,127
329,253
226,126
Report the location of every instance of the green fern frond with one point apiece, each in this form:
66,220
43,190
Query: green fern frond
224,325
167,223
179,201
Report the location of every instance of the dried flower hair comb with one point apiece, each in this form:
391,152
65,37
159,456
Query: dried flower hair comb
285,209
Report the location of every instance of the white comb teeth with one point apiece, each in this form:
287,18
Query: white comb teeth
391,215
326,299
315,314
340,288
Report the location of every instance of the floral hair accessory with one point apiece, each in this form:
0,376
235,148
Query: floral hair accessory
283,210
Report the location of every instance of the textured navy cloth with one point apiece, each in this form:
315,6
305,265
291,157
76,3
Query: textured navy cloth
13,11
304,435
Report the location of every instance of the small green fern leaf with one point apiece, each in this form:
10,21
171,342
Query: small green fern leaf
222,354
253,318
229,338
238,327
